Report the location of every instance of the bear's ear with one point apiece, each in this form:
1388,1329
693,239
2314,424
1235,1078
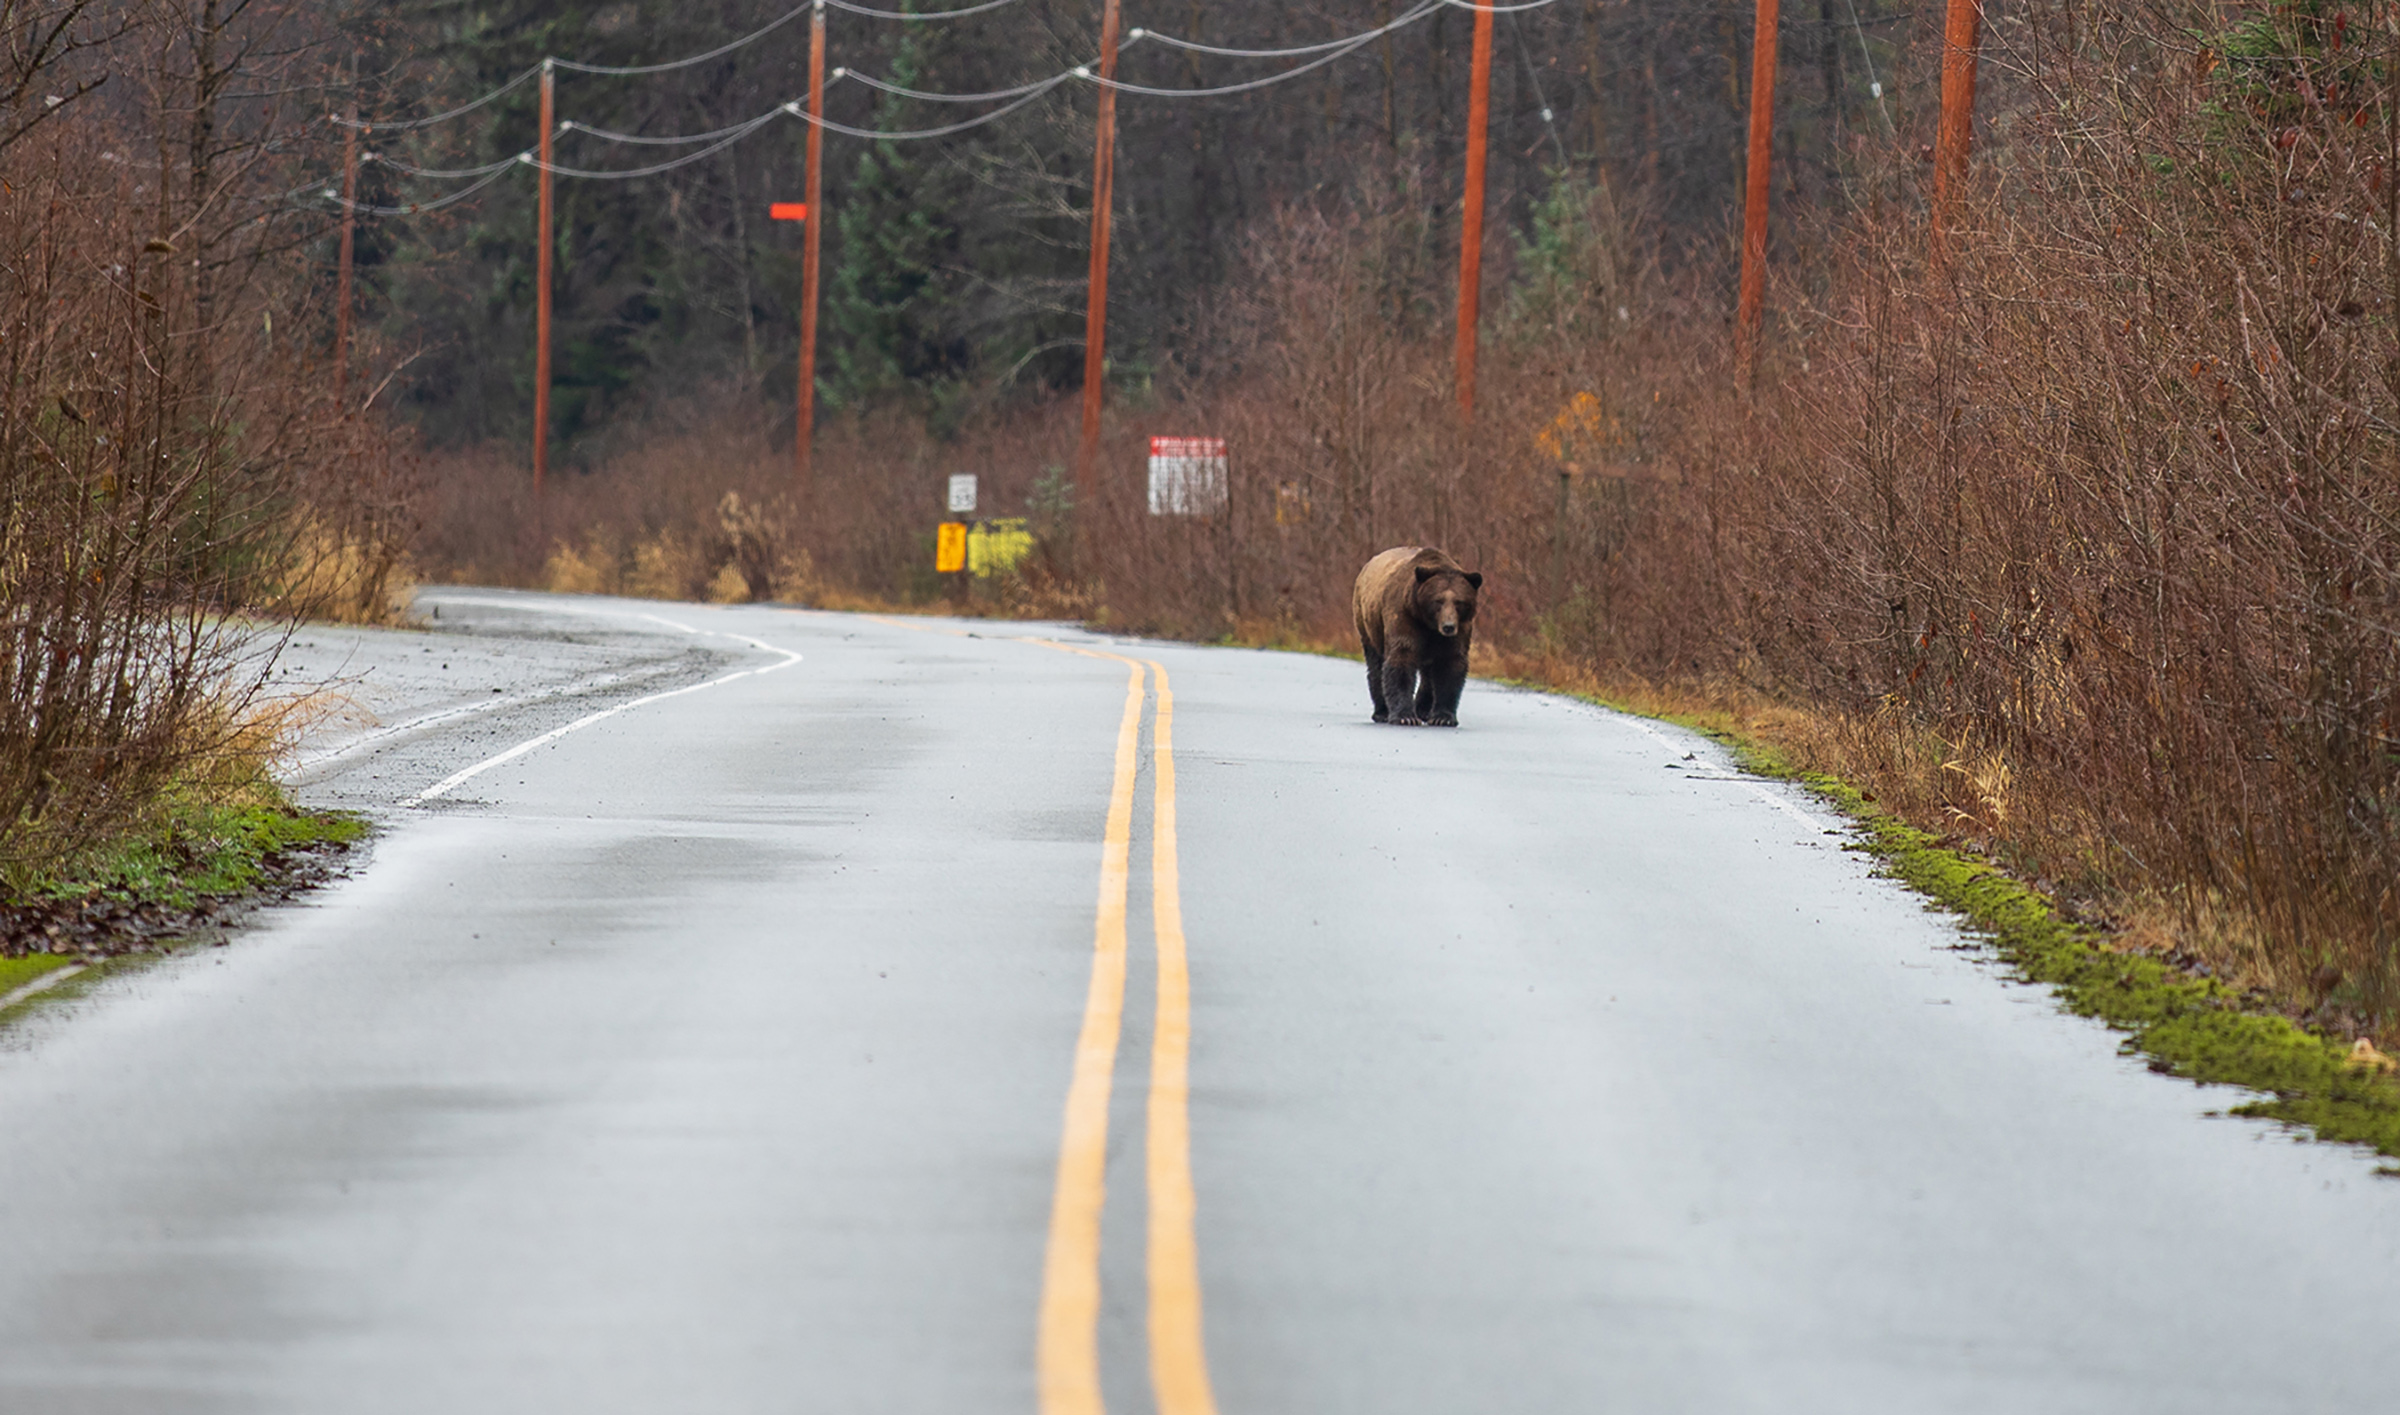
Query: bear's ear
1475,578
1424,573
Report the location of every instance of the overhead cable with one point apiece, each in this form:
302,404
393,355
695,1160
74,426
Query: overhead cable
403,124
722,138
1874,81
387,160
1549,121
1348,46
580,67
1295,51
917,16
672,140
1037,86
415,207
737,133
882,87
800,112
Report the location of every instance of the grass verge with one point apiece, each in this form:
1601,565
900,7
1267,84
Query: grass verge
17,972
197,863
197,850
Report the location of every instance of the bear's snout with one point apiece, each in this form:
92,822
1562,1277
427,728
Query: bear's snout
1449,627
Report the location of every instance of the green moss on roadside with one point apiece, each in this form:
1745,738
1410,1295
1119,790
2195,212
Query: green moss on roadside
193,850
17,972
2195,1028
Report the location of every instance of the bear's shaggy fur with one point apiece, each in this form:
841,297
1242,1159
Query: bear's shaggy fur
1416,620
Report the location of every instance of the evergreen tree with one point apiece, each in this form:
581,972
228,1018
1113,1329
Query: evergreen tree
889,309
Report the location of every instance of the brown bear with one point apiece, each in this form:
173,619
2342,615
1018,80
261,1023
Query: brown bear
1416,620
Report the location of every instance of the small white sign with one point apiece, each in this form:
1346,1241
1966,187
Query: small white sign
962,492
1187,476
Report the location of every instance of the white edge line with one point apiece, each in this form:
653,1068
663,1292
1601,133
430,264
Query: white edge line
1756,789
383,733
460,778
43,983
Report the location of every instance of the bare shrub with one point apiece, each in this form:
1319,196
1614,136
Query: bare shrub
176,478
128,524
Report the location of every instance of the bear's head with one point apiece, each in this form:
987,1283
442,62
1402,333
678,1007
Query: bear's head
1446,598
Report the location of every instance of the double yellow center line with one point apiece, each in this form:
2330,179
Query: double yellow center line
1067,1346
1068,1349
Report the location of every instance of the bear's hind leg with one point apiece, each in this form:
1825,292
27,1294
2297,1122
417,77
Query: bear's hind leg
1400,692
1383,712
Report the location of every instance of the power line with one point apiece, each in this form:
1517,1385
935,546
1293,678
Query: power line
878,135
719,140
1294,52
883,87
674,140
620,70
1525,52
441,172
1874,83
738,132
916,15
416,207
1348,46
1021,95
404,124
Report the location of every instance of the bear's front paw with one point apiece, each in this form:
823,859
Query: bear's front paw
1383,717
1406,719
1442,719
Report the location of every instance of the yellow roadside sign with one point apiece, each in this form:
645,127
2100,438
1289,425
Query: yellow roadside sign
950,547
997,546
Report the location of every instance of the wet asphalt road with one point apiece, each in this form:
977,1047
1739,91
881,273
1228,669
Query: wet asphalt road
712,1056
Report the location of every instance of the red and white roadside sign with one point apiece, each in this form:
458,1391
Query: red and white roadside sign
1187,476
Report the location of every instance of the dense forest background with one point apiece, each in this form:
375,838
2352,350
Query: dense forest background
955,267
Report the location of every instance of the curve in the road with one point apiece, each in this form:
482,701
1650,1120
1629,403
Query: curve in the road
461,777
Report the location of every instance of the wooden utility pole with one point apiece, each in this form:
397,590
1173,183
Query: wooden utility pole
1754,203
812,226
341,297
1961,49
1095,313
541,300
1470,215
